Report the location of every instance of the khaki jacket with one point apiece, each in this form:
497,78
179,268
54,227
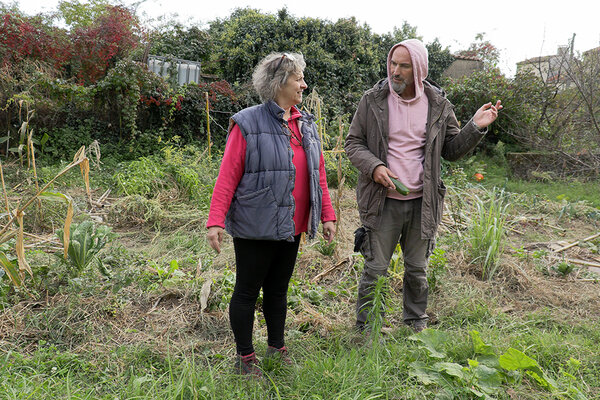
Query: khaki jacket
367,147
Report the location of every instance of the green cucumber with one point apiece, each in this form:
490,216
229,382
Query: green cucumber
400,188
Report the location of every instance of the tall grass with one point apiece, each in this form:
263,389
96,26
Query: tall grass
488,231
376,315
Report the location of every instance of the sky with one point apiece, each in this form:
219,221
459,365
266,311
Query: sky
520,29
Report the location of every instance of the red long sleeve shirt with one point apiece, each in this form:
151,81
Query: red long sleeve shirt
232,170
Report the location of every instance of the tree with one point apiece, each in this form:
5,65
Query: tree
439,59
521,98
98,46
175,40
344,58
81,15
484,50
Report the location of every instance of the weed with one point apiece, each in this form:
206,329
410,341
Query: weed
165,274
397,262
377,309
563,268
142,177
223,285
487,232
436,268
483,376
326,248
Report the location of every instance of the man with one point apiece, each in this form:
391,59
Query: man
401,129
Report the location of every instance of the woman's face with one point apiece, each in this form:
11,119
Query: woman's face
290,93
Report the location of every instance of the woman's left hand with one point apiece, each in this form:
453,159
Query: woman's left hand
329,230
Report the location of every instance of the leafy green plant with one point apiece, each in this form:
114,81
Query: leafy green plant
166,273
294,294
483,376
314,295
326,248
223,289
85,241
142,177
564,268
397,262
436,268
487,232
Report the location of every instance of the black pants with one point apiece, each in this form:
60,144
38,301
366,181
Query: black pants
261,263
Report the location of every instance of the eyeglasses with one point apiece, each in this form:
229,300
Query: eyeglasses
284,55
294,139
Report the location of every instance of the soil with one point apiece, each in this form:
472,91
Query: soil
173,319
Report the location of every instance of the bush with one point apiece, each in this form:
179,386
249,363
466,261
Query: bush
520,97
349,172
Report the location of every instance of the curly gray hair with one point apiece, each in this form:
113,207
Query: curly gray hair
272,73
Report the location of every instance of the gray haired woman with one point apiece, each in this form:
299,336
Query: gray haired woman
271,188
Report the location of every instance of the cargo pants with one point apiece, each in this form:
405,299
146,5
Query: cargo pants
400,223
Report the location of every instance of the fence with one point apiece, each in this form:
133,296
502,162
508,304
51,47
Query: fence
187,71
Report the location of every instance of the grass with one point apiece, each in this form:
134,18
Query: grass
335,367
496,175
487,232
132,334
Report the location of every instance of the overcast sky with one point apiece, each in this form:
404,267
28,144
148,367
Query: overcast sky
520,29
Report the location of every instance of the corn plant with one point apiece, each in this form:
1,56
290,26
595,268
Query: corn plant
14,226
85,241
487,232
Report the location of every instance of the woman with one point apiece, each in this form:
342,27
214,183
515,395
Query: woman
271,188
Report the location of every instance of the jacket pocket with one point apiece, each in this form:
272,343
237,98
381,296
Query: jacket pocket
441,194
366,194
254,215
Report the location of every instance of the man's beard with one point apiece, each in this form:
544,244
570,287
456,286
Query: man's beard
399,87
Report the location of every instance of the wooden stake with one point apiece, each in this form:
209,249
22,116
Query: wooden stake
208,123
587,239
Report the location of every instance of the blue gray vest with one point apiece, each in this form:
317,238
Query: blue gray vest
263,206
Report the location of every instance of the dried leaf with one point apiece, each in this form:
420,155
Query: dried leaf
79,155
204,293
4,189
67,229
10,268
55,196
85,171
20,247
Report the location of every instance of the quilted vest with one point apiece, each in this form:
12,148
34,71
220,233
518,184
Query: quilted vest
263,206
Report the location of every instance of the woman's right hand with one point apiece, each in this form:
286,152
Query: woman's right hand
215,237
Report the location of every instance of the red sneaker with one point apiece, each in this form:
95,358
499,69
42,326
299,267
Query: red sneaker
247,365
281,354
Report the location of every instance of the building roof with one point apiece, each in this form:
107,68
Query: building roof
536,60
463,57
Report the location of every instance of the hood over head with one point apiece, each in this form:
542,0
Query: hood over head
419,56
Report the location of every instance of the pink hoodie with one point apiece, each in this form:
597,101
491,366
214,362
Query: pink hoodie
406,123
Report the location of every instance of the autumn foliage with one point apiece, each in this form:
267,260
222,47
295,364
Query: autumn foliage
97,47
29,38
85,53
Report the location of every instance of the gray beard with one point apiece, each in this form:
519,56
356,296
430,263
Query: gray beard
399,87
